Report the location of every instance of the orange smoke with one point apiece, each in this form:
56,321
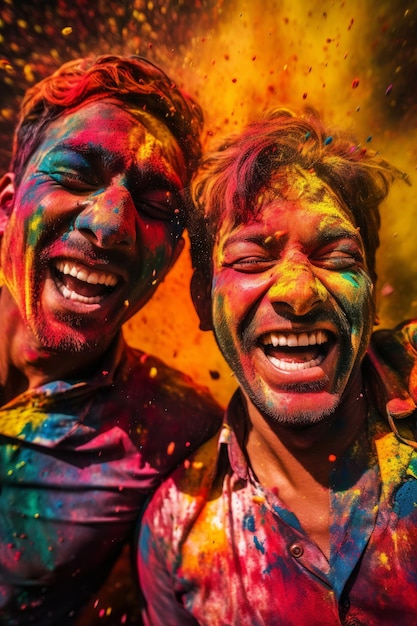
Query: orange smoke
253,56
354,61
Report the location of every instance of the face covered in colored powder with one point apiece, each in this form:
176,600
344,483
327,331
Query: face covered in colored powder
292,301
93,226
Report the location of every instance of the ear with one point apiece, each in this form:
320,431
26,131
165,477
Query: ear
7,194
201,297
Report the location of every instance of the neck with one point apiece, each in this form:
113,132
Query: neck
296,463
292,451
25,363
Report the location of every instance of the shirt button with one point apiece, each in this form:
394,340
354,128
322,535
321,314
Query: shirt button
296,550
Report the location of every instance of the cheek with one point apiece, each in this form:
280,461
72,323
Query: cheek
154,256
232,302
27,223
235,295
355,296
224,314
228,307
157,242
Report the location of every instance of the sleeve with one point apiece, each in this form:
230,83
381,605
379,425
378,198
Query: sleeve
161,606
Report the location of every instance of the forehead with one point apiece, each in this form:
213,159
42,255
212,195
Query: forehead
294,200
107,128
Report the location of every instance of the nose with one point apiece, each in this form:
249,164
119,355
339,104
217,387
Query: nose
108,219
296,286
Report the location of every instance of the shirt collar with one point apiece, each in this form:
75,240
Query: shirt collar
234,434
50,413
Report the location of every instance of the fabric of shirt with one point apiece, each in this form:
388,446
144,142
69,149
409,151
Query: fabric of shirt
216,548
77,460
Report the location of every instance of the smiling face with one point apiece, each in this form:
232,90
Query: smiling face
93,226
292,302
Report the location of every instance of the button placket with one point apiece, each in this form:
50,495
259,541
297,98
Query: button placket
296,550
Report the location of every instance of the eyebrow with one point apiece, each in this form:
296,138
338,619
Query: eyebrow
342,233
259,240
92,152
324,237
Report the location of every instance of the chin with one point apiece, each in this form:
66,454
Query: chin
72,342
68,339
298,409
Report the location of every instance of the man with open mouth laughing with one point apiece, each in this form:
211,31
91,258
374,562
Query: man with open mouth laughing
303,508
91,218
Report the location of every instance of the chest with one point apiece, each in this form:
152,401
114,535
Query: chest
256,564
311,507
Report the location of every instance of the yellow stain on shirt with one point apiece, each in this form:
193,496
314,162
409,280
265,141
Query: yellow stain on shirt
207,539
383,558
14,421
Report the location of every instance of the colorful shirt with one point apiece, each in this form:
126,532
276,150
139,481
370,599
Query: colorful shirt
218,549
78,458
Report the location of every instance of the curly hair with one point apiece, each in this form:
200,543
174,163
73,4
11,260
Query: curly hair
134,81
231,179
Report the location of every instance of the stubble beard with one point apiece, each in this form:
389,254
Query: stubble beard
72,339
280,415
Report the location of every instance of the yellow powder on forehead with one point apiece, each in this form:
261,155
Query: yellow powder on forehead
158,133
293,182
143,144
152,124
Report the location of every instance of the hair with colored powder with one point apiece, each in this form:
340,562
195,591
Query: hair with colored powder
231,179
134,81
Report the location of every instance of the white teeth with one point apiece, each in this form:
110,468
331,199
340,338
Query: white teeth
303,339
292,340
81,273
321,337
76,297
295,365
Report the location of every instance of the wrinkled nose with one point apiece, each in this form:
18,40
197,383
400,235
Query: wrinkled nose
108,219
296,287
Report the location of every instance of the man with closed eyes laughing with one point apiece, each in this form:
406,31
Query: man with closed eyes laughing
302,509
91,218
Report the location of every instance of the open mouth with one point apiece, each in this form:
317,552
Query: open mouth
296,351
78,283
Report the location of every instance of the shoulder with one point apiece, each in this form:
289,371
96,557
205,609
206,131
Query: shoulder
397,341
391,368
143,383
166,413
187,489
393,352
149,376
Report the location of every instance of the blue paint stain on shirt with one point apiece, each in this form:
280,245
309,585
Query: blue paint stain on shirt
249,523
145,543
288,517
258,545
405,499
276,562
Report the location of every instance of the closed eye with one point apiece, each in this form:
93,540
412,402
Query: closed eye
250,265
160,205
72,180
156,211
72,170
339,260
